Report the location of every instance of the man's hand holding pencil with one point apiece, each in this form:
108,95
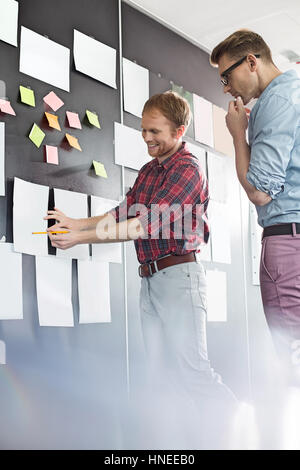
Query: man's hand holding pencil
63,234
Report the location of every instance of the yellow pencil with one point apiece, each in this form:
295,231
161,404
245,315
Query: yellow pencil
46,233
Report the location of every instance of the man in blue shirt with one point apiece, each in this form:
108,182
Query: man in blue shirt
268,168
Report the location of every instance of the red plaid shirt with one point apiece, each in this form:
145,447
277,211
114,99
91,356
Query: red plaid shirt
177,187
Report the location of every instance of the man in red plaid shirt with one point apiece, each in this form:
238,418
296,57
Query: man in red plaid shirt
165,214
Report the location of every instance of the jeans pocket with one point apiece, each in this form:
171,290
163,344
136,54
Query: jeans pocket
199,291
268,261
177,271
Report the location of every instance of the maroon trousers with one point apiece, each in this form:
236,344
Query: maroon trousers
280,290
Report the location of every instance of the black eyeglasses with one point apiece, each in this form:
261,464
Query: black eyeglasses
224,75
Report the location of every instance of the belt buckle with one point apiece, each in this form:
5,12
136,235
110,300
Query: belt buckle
149,269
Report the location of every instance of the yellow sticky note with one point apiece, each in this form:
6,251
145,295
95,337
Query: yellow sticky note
27,96
53,121
99,169
73,142
93,119
36,135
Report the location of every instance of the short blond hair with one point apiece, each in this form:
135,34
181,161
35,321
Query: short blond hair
175,108
239,44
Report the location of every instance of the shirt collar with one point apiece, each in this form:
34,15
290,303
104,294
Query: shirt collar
282,78
183,150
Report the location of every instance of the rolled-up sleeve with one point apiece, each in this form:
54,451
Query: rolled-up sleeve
274,131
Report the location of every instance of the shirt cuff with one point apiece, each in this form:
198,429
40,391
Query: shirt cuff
271,187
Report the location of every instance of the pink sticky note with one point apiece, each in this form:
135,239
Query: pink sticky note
73,119
51,154
6,107
53,101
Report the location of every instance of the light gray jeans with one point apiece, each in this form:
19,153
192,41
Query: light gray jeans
173,318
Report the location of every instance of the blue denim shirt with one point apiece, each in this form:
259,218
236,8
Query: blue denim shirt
274,138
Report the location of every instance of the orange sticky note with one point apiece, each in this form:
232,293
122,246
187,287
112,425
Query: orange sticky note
53,121
51,154
73,142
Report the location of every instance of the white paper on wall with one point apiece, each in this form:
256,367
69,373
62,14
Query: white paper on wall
136,87
130,148
2,352
203,121
255,236
217,177
216,304
9,11
30,207
2,159
222,138
44,59
205,251
74,205
218,215
200,153
11,307
54,291
95,59
94,292
106,252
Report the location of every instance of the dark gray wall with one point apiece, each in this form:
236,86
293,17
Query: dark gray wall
66,388
62,387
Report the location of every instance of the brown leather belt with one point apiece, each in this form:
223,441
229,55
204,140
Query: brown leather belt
148,269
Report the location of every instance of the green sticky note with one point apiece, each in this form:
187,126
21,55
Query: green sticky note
93,119
27,96
36,135
99,169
